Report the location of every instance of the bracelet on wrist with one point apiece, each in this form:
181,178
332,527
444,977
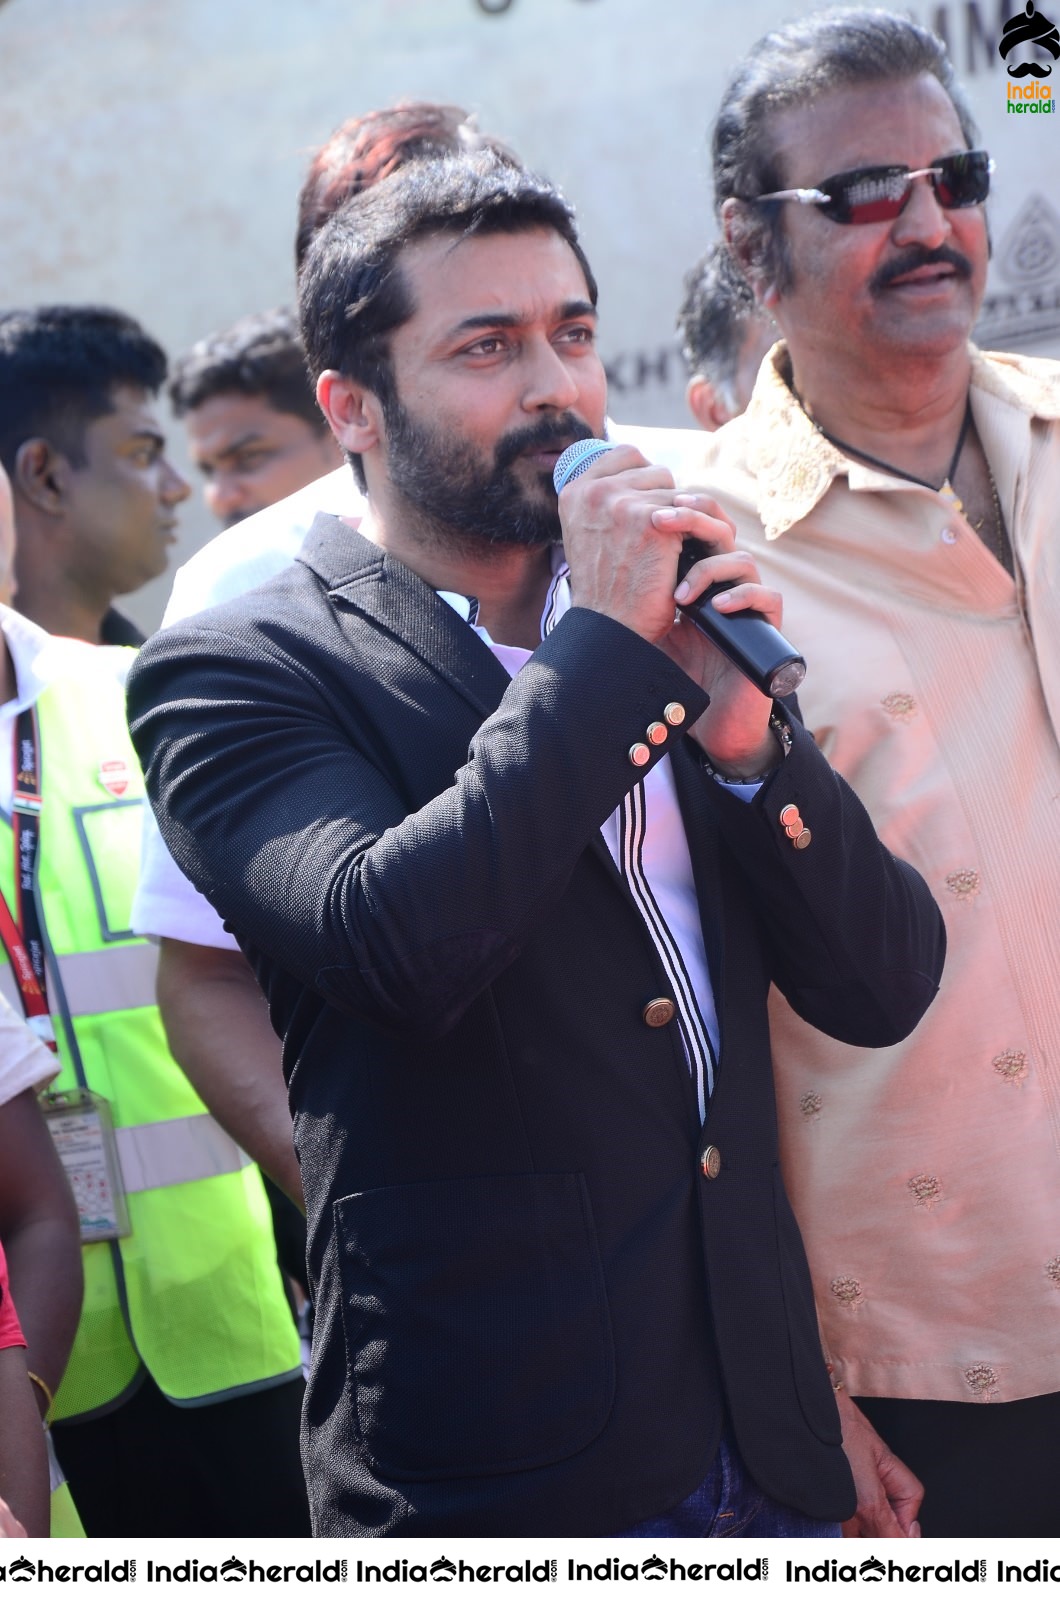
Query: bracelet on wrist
35,1378
781,731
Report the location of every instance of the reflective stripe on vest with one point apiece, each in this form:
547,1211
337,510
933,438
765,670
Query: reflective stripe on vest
157,1155
193,1293
120,977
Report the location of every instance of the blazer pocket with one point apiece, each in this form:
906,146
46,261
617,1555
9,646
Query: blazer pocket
816,1399
478,1337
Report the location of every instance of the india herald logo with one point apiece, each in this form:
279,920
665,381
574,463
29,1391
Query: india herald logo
1029,27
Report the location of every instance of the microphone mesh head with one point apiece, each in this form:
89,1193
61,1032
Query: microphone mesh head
576,459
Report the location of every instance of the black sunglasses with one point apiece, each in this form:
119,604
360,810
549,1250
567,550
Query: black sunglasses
879,194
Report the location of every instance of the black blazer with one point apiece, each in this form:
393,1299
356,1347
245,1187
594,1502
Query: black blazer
532,1303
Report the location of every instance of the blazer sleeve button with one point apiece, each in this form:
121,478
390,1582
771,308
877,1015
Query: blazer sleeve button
657,1013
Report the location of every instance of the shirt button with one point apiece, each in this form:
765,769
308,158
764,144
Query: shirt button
658,733
657,1013
710,1161
639,755
949,535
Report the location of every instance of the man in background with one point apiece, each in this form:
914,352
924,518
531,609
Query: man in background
254,428
179,1406
901,488
95,496
723,339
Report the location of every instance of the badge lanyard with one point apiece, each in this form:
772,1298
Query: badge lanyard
21,932
79,1121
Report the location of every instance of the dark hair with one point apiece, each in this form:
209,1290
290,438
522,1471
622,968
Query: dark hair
258,355
59,366
366,149
794,65
353,292
713,322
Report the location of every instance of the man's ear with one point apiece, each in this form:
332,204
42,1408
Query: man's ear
354,413
41,476
744,238
706,404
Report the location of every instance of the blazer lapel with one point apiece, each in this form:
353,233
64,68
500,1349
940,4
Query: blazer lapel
380,587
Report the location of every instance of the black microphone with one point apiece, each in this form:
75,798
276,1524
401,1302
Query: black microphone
750,642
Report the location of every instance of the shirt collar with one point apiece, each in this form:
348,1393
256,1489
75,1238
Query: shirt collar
39,657
795,466
557,601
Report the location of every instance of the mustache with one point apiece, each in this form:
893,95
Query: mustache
549,431
1029,69
917,256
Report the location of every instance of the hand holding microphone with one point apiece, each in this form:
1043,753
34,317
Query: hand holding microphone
746,638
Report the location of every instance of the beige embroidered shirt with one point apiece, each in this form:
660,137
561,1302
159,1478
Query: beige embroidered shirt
926,1177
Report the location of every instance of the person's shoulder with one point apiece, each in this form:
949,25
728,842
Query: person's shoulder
1031,382
258,549
291,606
42,659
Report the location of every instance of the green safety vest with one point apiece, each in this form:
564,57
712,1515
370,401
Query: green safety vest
193,1293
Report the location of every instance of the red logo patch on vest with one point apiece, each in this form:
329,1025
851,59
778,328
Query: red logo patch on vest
114,776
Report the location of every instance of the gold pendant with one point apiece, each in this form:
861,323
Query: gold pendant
948,492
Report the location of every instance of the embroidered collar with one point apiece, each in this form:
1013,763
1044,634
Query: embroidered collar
795,466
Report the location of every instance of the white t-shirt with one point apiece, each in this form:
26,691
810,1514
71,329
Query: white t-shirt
241,558
25,1063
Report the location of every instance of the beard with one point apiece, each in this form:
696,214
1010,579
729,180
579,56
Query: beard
455,495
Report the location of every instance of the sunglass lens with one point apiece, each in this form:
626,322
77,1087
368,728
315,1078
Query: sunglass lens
874,195
963,180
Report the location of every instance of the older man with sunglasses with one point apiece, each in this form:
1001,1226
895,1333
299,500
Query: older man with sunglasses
901,488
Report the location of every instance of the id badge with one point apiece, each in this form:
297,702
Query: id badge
82,1130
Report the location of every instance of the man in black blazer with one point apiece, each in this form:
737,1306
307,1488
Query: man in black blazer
516,857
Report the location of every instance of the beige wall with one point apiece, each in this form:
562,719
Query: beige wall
151,151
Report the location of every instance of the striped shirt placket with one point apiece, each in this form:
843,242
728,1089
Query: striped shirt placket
699,1051
633,818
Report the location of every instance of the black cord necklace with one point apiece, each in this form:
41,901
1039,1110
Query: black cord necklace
946,488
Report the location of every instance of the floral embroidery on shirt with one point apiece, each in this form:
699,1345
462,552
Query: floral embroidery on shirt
794,464
902,707
1052,1270
963,884
810,1105
925,1189
847,1291
982,1380
1011,1065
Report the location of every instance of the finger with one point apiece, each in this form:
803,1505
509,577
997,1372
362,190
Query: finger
904,1491
727,566
751,597
704,502
694,523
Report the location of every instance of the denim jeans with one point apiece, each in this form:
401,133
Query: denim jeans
729,1505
